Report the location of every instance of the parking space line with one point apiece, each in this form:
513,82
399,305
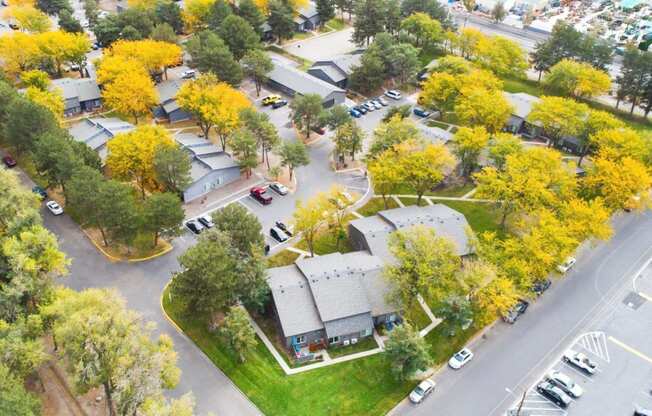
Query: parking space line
631,349
576,371
644,296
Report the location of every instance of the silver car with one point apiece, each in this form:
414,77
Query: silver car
565,383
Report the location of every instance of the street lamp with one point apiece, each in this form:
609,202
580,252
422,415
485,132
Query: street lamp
520,404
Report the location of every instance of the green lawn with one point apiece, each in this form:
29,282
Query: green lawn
366,344
515,85
413,201
443,346
326,243
283,258
337,24
434,123
481,216
416,316
358,387
452,191
375,205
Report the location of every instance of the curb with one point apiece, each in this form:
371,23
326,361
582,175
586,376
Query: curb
183,334
168,249
99,248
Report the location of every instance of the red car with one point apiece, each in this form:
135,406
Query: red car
9,161
259,195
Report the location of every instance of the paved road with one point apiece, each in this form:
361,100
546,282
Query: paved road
515,356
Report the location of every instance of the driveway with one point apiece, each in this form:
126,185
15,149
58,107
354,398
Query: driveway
323,47
515,356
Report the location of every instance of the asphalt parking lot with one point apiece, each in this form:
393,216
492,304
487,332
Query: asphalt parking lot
621,346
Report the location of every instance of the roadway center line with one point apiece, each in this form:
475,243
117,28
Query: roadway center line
630,349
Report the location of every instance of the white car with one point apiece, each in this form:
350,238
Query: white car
279,188
565,383
421,391
376,104
566,265
54,208
190,73
393,94
580,361
460,359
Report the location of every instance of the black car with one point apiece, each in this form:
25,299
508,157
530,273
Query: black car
278,234
40,192
195,226
554,394
284,227
517,310
540,286
206,221
362,109
279,104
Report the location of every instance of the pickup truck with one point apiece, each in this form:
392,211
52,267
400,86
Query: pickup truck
259,195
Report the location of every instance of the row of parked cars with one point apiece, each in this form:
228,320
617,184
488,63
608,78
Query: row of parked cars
374,104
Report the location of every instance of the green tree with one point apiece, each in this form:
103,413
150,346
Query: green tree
20,345
336,117
281,19
558,117
257,64
634,76
423,30
242,226
501,146
56,159
293,154
238,332
468,143
172,168
163,215
426,265
164,32
220,10
456,310
263,129
326,10
407,351
498,12
433,8
306,111
423,167
239,36
210,54
14,399
68,23
369,75
402,111
369,21
395,131
248,10
348,139
168,12
53,7
244,146
26,121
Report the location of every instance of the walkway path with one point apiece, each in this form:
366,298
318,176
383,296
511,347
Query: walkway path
434,197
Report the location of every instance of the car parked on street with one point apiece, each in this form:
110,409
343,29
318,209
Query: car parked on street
460,359
393,94
188,74
279,188
640,411
580,361
355,113
361,109
422,391
540,286
319,130
369,106
418,111
376,104
565,383
206,221
271,99
278,234
517,310
279,104
260,195
286,229
567,265
195,226
54,207
382,101
40,192
554,394
9,161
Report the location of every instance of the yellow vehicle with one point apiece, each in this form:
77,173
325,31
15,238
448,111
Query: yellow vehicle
271,99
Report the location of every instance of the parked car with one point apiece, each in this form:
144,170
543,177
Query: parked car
319,130
259,195
567,265
418,111
580,361
206,221
95,46
355,113
271,99
13,26
286,229
517,310
393,94
369,106
54,208
640,411
40,192
9,161
565,383
188,74
195,226
540,286
279,188
422,391
554,394
278,235
460,359
382,101
376,104
362,109
279,103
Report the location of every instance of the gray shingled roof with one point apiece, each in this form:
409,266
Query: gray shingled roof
294,304
83,89
434,135
521,102
348,325
333,73
299,81
309,10
205,156
95,132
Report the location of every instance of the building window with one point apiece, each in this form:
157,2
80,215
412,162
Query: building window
299,339
333,340
365,333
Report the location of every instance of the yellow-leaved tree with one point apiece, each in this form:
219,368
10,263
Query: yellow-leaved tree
577,79
131,155
131,94
19,52
385,174
50,99
559,117
309,216
196,13
154,55
501,56
482,107
29,18
213,104
467,145
110,67
61,47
